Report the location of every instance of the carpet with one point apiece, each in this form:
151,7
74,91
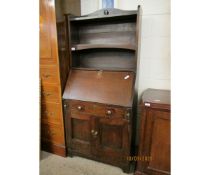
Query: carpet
51,164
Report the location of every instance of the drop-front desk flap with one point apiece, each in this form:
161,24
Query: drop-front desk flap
109,87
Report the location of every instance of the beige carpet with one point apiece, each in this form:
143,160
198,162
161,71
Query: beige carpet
51,164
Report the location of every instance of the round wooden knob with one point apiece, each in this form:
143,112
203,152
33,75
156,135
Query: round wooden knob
79,108
95,133
106,12
65,105
109,112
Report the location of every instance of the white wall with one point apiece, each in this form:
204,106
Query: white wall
154,68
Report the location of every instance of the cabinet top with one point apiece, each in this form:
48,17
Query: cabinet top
157,96
104,13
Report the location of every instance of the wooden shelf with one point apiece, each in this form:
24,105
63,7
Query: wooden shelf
104,69
109,46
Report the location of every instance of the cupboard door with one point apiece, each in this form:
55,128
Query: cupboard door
78,128
158,142
48,43
111,139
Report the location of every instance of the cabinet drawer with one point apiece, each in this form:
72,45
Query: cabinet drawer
51,93
49,74
52,133
51,112
79,107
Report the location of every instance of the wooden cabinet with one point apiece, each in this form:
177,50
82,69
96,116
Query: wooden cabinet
52,127
99,94
154,147
54,69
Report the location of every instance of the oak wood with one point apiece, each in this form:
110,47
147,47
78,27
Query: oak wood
104,59
155,133
52,133
99,93
53,148
48,39
91,46
111,144
52,127
51,113
49,74
112,87
113,13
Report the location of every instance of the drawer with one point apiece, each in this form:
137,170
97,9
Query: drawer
51,93
52,133
51,112
49,74
79,107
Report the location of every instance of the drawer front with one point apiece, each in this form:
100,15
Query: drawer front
49,74
51,93
51,113
52,133
79,107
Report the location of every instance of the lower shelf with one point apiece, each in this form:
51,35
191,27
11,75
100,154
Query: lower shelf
53,148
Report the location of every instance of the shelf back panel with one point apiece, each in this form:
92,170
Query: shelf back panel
105,59
106,33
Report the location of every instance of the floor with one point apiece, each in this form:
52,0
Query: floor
51,164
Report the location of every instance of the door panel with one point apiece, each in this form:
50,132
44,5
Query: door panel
77,131
112,141
158,128
48,43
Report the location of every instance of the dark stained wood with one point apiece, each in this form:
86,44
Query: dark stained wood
100,14
94,133
104,59
155,133
99,93
112,87
64,55
106,44
92,46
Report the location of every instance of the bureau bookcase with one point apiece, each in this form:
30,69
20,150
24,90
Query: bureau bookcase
99,95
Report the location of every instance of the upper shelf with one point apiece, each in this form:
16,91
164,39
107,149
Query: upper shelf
108,46
105,13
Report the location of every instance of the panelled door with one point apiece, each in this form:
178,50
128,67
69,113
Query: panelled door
110,138
48,35
157,136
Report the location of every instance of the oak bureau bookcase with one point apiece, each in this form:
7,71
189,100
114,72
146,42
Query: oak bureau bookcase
99,93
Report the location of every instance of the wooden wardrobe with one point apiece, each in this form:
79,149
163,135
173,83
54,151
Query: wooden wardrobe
54,68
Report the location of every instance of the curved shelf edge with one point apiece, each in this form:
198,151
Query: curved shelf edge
105,46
